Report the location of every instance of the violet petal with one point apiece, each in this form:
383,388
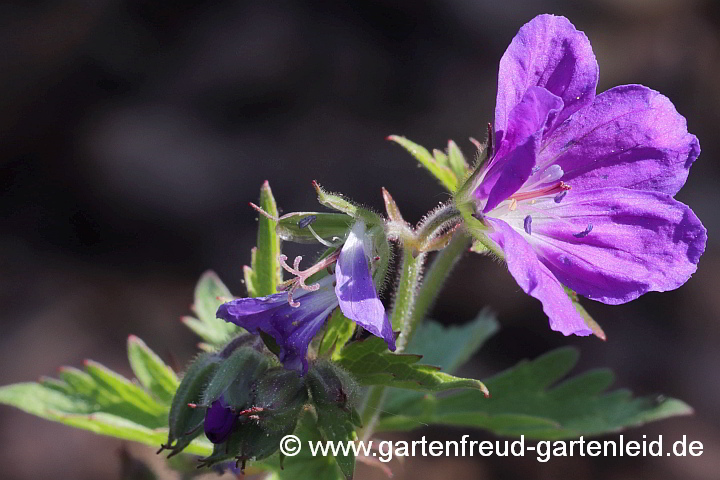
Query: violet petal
515,158
547,52
219,421
292,328
631,136
632,242
536,280
356,291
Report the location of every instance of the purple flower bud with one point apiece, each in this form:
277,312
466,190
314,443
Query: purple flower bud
219,421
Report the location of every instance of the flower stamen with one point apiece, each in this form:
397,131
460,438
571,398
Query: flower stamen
301,276
541,192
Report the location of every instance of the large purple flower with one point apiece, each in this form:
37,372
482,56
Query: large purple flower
579,191
294,321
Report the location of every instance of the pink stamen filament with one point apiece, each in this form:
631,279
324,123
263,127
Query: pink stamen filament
541,192
302,275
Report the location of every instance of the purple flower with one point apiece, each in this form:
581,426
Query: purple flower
579,191
294,320
219,421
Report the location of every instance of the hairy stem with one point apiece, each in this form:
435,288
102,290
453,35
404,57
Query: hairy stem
436,275
411,306
405,295
371,411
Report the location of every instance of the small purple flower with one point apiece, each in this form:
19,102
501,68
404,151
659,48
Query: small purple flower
579,191
219,421
293,320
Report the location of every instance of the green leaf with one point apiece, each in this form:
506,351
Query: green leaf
210,293
457,162
151,371
337,427
447,347
337,333
304,465
264,273
98,400
441,172
370,363
450,347
136,403
525,402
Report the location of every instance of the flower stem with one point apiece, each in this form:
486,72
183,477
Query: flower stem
436,275
411,306
374,399
405,294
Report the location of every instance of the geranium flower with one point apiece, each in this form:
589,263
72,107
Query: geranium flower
294,319
579,191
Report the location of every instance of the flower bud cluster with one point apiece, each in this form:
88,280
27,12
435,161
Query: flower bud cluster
245,403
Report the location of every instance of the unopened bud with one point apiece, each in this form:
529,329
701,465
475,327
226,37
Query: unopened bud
185,421
248,441
331,385
279,397
219,421
234,377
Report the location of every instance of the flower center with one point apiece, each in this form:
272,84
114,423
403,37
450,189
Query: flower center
555,189
302,275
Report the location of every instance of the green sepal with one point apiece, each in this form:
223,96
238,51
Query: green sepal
184,421
338,202
264,273
334,393
281,394
335,201
248,441
270,342
478,230
471,181
234,377
330,384
328,226
589,320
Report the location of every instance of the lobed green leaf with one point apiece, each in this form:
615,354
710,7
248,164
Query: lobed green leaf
370,363
210,293
103,401
525,402
151,371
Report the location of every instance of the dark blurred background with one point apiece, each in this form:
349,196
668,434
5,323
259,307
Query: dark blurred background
135,133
